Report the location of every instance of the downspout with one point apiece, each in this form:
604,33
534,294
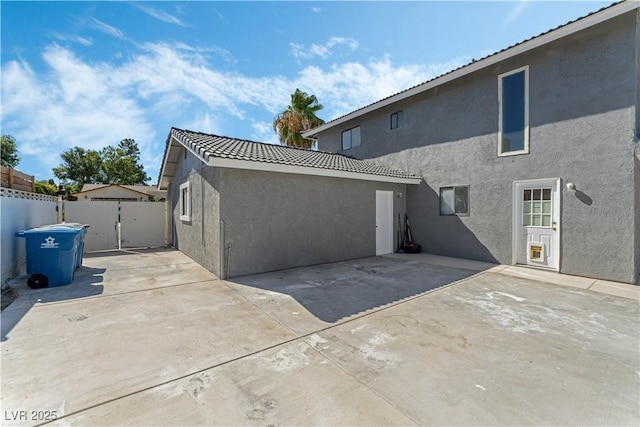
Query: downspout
221,251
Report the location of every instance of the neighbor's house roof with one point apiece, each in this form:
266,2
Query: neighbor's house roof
225,152
594,18
142,189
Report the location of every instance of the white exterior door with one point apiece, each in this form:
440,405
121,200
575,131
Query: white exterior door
384,222
536,223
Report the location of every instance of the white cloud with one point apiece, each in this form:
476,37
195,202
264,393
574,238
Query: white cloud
76,39
263,132
322,50
75,102
107,29
349,86
516,11
316,9
161,15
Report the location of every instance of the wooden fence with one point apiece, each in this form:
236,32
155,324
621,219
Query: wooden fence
17,180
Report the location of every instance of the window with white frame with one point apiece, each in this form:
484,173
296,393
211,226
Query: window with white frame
185,202
351,138
397,119
513,95
454,200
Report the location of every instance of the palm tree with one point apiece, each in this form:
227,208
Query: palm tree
298,117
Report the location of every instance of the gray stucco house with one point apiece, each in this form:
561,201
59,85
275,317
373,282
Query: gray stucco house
528,156
239,207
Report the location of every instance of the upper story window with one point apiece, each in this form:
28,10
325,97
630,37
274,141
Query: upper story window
397,119
185,202
513,96
351,138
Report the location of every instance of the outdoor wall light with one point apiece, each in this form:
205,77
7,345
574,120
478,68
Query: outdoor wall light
399,194
571,186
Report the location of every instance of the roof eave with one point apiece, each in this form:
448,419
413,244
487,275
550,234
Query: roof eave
304,170
564,31
163,183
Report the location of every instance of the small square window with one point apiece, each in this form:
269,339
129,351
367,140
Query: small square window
185,202
351,138
454,200
397,119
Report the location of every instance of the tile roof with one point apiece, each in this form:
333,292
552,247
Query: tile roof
474,61
208,146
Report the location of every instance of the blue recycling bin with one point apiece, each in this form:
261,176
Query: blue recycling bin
83,227
52,251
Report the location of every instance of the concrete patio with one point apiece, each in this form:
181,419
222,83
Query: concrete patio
151,338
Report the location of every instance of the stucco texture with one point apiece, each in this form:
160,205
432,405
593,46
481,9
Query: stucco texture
275,221
246,222
582,119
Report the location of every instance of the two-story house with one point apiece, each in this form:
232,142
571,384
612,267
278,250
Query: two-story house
528,156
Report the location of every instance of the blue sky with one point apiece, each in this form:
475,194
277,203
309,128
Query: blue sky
90,74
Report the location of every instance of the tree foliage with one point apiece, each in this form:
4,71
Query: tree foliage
111,165
120,164
296,118
46,187
80,167
9,151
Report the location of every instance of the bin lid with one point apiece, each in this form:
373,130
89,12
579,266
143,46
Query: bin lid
49,230
67,224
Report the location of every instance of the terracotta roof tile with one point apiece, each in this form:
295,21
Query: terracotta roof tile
240,149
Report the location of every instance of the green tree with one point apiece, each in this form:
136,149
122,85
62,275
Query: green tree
111,165
80,167
121,164
298,117
46,187
9,151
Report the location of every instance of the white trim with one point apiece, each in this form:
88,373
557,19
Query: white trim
304,170
566,30
384,205
515,224
185,216
526,112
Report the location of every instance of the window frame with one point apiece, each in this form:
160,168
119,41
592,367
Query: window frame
454,187
350,131
525,150
398,115
185,209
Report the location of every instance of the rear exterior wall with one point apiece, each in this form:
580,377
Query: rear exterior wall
274,221
582,119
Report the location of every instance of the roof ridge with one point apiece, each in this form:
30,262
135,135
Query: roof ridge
262,143
473,61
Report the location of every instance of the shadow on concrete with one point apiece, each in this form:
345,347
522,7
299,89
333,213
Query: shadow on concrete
86,283
335,291
125,251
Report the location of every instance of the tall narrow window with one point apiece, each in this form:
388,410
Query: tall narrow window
513,94
454,200
185,202
397,119
351,138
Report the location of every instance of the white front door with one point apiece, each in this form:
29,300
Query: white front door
384,222
536,222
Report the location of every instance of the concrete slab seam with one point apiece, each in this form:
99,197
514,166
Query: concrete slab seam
256,352
47,304
365,385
